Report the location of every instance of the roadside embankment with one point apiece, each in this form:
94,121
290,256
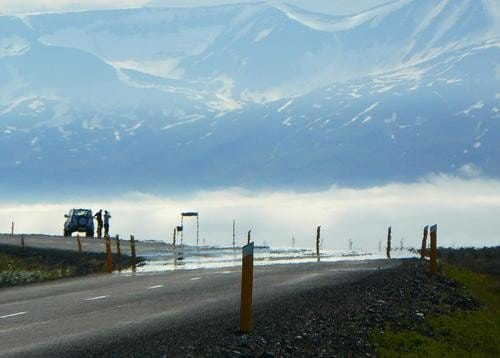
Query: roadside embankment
26,265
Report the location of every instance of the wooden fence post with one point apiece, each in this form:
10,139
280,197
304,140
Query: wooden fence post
423,249
109,258
388,251
22,241
318,238
433,254
132,252
118,253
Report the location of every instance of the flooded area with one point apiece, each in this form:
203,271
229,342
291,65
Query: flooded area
207,257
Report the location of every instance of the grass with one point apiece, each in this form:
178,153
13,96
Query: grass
453,334
20,266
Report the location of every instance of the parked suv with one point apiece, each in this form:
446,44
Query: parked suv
79,220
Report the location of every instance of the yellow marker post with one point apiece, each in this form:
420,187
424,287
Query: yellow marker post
132,252
109,259
246,289
433,255
79,244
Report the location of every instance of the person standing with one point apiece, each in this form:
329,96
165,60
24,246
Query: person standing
98,218
107,216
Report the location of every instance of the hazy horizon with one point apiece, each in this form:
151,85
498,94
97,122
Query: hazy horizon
466,211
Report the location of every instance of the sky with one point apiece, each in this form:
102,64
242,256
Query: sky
338,7
465,210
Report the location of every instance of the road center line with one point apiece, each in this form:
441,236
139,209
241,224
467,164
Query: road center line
13,314
153,287
195,278
96,298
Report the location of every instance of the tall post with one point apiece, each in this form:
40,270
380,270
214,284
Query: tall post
197,229
109,260
318,238
350,244
119,253
249,237
132,252
22,241
182,231
379,246
433,254
423,249
234,234
173,238
12,228
246,289
388,251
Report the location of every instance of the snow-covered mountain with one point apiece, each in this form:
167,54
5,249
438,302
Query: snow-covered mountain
250,94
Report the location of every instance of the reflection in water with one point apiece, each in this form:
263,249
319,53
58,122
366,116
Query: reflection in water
205,257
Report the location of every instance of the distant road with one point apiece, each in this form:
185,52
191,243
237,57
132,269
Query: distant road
61,317
88,244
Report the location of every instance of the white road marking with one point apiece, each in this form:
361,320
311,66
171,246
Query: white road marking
195,278
96,298
13,314
153,287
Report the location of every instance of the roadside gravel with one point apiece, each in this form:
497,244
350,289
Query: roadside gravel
327,322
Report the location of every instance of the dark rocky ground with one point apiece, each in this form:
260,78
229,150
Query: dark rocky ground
326,322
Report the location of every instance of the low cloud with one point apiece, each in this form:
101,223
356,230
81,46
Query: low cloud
466,210
34,6
338,7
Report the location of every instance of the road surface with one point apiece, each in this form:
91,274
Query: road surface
88,244
59,318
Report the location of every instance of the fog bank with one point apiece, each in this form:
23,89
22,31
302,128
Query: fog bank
467,212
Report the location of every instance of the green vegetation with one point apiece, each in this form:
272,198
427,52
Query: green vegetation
453,334
22,266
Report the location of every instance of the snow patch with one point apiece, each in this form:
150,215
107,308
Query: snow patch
13,46
337,24
474,107
285,106
262,35
477,145
134,127
372,107
287,122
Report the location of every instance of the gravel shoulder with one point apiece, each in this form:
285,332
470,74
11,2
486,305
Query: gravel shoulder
330,321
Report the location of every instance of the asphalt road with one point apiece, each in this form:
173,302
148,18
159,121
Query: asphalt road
59,318
88,244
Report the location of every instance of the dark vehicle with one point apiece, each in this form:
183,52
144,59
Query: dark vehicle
79,220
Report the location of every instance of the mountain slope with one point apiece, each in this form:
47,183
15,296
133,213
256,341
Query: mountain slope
248,95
